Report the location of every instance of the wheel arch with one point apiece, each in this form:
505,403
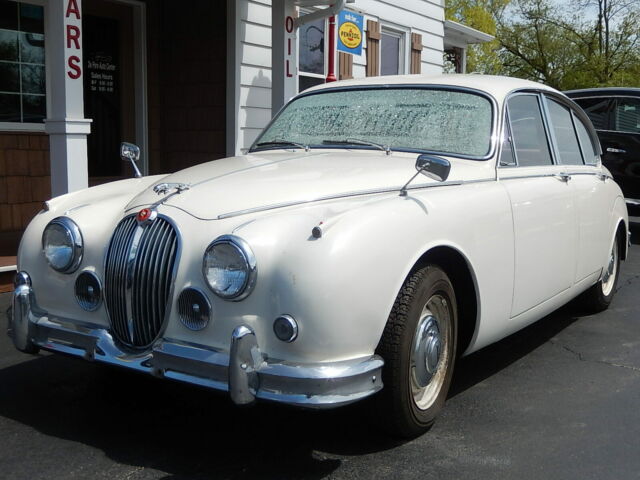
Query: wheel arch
459,270
622,238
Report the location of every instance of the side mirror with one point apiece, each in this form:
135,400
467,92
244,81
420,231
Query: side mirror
131,153
433,167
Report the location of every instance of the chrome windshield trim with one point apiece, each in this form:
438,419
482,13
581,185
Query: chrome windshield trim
357,193
405,86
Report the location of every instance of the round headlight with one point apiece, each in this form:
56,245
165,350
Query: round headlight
62,245
229,267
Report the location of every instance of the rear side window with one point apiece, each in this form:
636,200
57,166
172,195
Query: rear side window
566,138
588,150
598,109
527,131
627,115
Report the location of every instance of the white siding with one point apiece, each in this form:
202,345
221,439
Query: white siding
254,82
254,73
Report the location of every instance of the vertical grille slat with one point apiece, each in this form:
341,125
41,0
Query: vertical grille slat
138,275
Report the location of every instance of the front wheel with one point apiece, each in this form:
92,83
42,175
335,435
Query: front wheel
418,346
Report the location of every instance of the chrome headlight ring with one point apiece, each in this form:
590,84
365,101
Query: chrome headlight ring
66,256
235,279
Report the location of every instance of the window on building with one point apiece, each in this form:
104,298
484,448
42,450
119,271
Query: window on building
22,60
392,52
311,54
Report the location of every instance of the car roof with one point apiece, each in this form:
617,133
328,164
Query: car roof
604,92
497,86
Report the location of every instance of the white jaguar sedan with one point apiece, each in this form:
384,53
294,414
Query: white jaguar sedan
376,230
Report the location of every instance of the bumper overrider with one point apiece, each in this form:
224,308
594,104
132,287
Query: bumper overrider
244,372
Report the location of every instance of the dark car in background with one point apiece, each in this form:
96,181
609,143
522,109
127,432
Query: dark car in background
615,114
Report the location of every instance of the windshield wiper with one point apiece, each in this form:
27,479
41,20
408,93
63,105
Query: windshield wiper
281,142
356,141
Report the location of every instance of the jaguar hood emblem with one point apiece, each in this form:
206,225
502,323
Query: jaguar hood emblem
163,188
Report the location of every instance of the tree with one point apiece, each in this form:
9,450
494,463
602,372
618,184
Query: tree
599,46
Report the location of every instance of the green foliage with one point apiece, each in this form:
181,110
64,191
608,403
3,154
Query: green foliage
564,43
545,41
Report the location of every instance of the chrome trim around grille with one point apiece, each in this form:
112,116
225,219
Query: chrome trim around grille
140,267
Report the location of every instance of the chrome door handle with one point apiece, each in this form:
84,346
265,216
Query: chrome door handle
564,177
615,150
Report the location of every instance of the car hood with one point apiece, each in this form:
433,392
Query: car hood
276,178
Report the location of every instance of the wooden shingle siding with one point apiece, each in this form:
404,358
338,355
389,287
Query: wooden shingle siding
416,53
373,48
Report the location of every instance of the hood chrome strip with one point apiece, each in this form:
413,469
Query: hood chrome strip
358,193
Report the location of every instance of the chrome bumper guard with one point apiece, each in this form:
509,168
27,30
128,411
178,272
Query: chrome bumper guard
245,372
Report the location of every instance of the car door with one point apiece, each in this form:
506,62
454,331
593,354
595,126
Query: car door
575,149
542,207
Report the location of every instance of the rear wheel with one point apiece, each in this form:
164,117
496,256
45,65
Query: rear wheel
418,346
600,295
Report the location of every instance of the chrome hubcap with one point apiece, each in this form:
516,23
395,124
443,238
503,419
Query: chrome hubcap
427,349
430,351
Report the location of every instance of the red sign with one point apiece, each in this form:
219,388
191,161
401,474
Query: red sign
73,40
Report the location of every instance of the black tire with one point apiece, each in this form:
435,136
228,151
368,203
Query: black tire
407,406
599,296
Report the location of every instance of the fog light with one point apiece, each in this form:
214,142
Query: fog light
194,309
285,328
88,291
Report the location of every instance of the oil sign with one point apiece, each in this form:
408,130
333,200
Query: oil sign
350,32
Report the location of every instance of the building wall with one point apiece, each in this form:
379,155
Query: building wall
186,83
255,72
25,183
253,50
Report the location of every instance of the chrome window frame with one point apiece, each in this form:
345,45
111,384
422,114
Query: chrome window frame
575,110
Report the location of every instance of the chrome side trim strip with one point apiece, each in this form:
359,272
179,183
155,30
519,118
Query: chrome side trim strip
544,175
357,193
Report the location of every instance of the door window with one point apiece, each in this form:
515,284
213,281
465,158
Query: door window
528,132
507,159
598,110
627,115
586,144
565,135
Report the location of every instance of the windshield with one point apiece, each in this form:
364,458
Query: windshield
423,119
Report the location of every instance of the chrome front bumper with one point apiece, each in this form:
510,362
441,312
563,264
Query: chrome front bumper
245,372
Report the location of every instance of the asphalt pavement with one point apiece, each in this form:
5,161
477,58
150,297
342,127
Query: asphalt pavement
558,400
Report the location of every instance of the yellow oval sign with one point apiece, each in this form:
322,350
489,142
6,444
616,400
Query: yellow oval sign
350,35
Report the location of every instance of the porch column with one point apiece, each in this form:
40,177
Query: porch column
283,53
65,123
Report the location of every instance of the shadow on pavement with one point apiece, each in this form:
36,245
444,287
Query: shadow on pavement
194,433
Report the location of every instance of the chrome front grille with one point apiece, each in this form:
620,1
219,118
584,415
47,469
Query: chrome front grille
138,276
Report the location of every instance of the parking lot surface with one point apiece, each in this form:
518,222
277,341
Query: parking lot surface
560,399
